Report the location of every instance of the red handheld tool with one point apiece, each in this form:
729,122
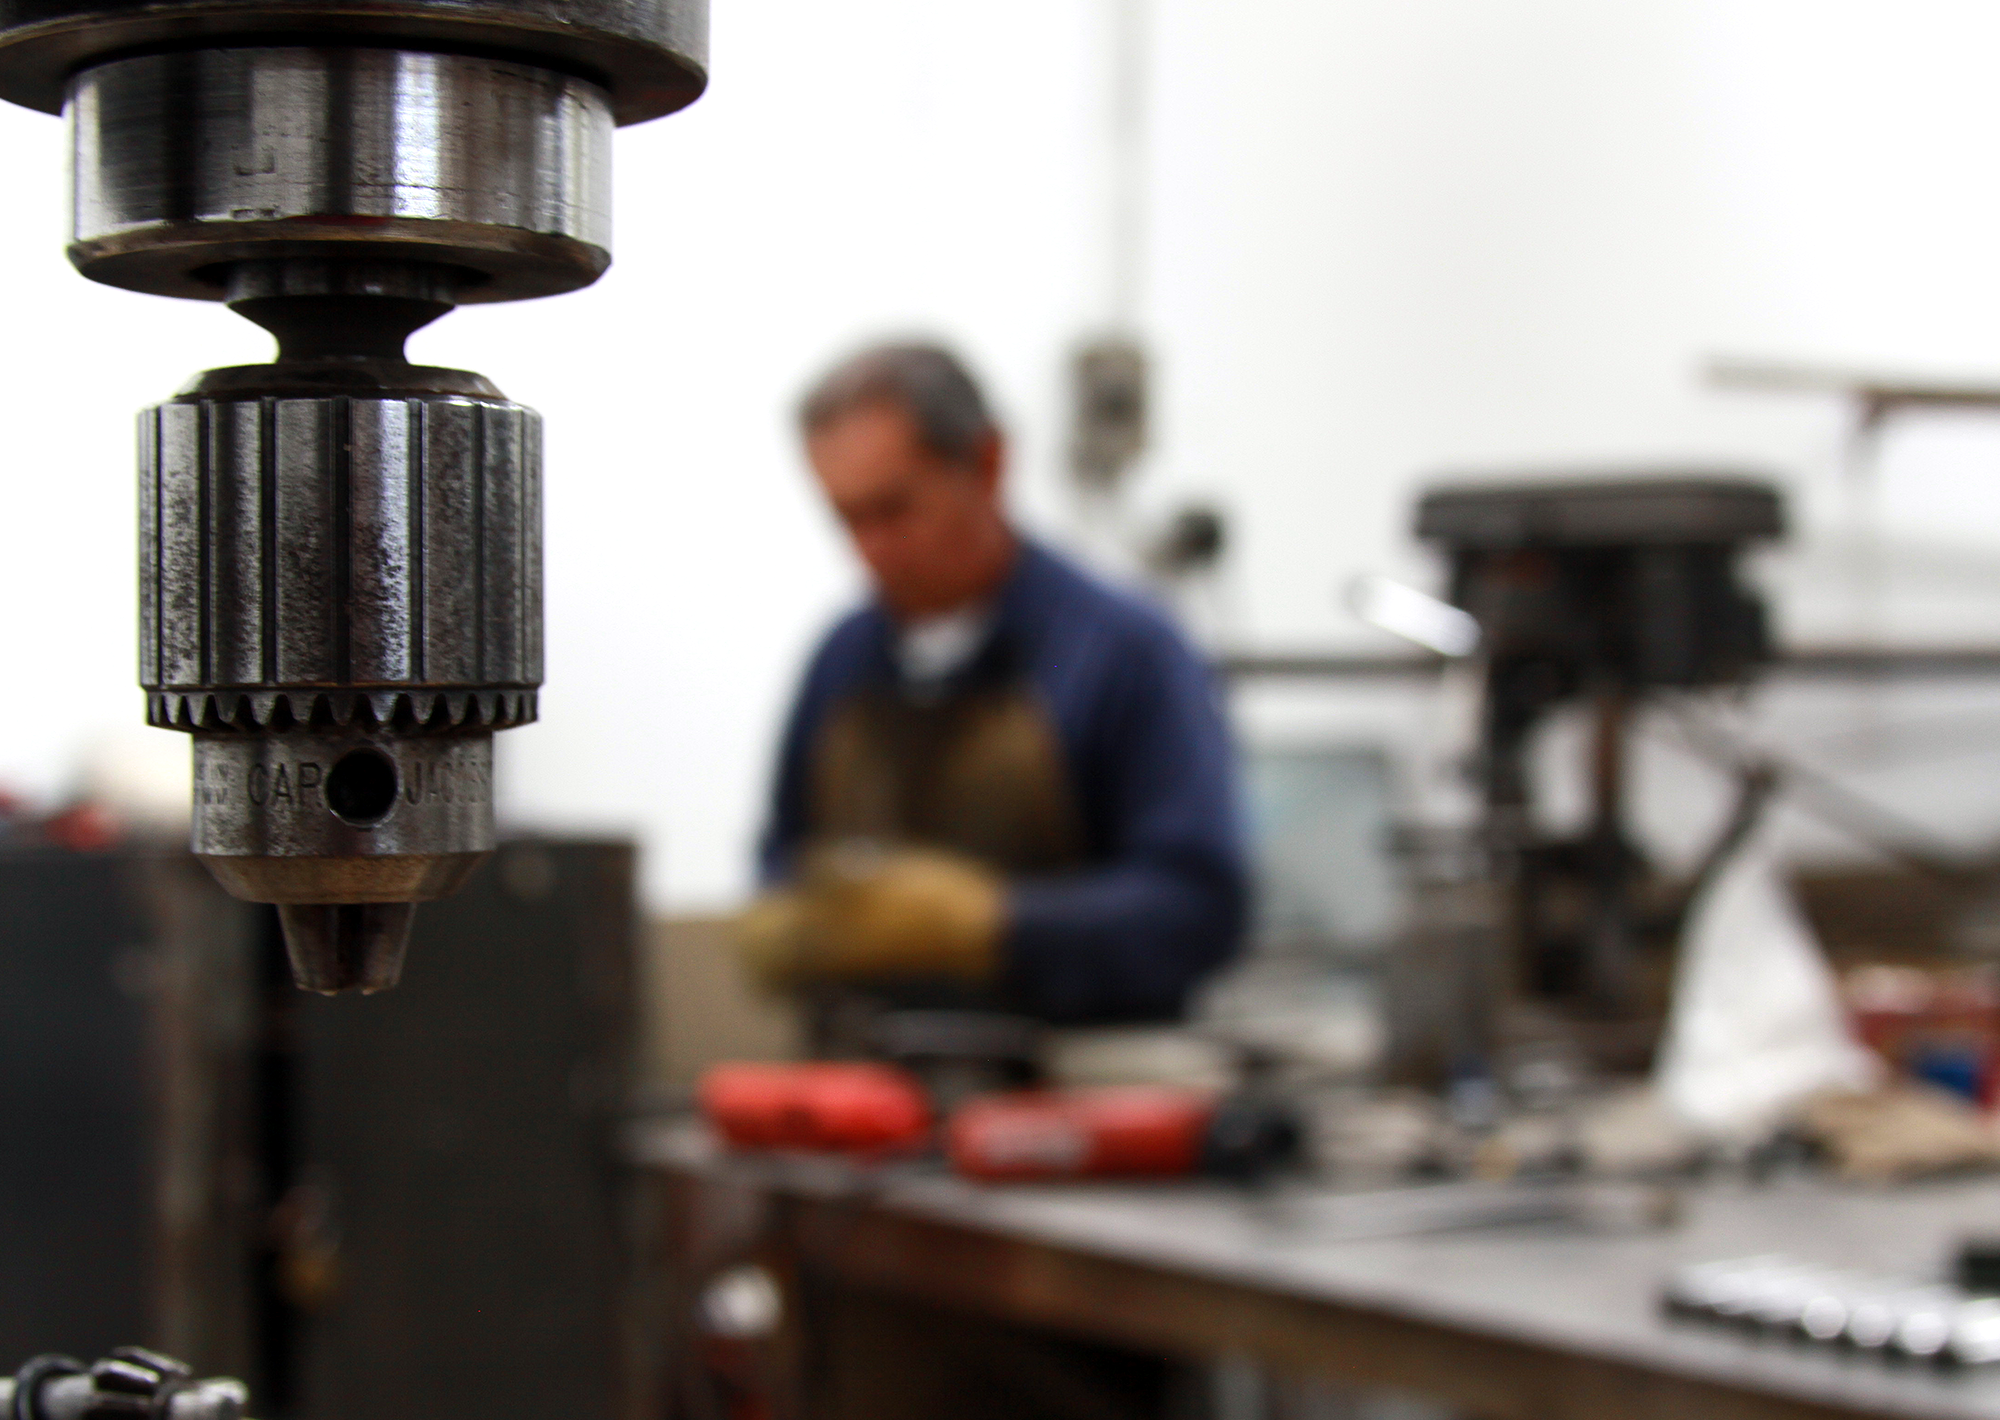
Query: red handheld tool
820,1105
1123,1132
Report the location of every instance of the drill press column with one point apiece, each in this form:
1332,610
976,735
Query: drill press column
340,551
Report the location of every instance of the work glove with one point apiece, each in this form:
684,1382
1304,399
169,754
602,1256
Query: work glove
858,914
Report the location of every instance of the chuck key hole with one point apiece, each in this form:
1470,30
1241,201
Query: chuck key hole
361,787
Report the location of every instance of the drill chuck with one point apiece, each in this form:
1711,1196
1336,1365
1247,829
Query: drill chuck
341,600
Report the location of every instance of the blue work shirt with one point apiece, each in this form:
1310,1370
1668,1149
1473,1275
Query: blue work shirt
1163,898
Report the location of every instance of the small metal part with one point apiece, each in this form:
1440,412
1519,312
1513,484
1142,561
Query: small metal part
131,1383
1824,1316
125,1377
1826,1311
1926,1328
1781,1298
1876,1319
162,1367
341,946
24,1395
1696,1289
1753,1290
1975,1334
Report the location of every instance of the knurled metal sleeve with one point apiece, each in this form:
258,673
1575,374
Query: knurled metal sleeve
340,556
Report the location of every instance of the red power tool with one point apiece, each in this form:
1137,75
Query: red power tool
821,1105
1120,1132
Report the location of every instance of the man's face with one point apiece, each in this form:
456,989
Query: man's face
924,524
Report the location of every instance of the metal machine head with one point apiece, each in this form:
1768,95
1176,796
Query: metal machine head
340,552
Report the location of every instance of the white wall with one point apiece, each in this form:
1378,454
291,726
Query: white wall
1388,238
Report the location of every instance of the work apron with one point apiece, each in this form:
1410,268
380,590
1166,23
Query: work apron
976,770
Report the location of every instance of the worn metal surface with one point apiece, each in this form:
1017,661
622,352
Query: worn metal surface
380,555
1529,1323
185,161
275,821
651,54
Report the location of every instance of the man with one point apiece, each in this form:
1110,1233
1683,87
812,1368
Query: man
1003,784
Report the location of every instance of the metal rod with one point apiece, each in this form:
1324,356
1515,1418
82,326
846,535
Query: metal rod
1805,662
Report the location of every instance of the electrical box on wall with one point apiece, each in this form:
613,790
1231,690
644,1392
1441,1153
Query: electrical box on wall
1108,411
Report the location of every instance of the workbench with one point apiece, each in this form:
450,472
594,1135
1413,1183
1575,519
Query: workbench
1515,1322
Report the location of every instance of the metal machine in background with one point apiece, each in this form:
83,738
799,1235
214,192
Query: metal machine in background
1601,593
340,551
412,1206
1609,596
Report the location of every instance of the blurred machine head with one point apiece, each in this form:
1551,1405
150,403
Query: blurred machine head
1601,593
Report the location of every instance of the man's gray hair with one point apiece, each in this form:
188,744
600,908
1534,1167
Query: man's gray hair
927,380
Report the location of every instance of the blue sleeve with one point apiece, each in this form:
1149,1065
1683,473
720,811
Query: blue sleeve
1128,939
785,827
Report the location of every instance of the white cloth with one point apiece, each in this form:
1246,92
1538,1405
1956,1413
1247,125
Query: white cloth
932,649
1756,1024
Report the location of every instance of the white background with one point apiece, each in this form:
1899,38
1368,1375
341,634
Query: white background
1388,238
